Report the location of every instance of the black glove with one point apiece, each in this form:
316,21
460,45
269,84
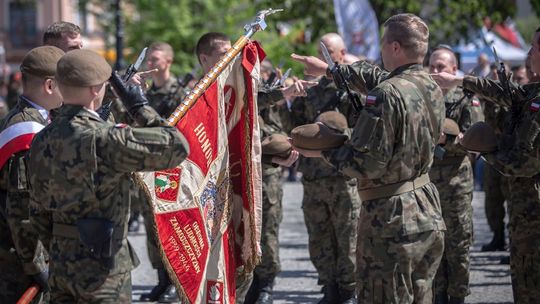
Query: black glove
41,279
131,96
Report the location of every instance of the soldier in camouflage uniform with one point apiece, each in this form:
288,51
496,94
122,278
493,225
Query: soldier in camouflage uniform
496,186
164,95
400,233
452,173
331,203
27,262
272,108
79,170
517,157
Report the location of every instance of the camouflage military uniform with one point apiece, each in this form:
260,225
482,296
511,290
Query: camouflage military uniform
331,203
79,168
272,115
518,158
495,184
18,232
400,237
453,177
166,98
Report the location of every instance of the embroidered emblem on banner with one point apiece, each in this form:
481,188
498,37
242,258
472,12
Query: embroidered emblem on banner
166,184
214,292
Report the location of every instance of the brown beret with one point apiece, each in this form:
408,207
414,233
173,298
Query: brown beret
480,137
316,136
333,120
450,127
41,61
276,144
82,68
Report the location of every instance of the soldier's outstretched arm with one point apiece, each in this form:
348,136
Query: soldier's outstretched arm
488,89
522,157
127,149
363,76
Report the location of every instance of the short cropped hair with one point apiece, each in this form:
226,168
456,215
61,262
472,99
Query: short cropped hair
208,42
58,29
164,47
410,31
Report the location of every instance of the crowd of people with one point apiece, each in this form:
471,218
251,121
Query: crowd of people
388,211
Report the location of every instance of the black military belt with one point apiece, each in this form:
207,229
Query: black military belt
71,231
449,160
394,189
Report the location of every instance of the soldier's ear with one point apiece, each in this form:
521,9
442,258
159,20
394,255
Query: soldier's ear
49,84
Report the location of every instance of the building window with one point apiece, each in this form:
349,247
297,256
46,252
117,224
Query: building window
22,23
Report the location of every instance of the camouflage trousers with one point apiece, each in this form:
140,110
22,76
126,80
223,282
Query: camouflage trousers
331,207
243,282
397,270
272,215
496,190
524,227
100,289
76,276
455,184
13,282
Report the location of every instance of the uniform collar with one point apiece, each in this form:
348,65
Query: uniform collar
77,110
44,113
406,68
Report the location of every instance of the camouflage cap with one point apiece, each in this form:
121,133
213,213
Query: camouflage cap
82,68
41,61
276,144
317,136
450,127
480,137
333,120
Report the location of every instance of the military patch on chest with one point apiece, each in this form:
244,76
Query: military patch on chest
535,106
371,100
166,184
475,102
120,125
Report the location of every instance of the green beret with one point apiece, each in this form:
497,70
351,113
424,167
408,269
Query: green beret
276,144
41,61
317,136
333,120
450,127
82,68
480,137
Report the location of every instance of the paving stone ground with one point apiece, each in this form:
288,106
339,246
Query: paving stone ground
297,283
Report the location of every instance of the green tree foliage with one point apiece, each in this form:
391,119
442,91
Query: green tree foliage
448,20
182,22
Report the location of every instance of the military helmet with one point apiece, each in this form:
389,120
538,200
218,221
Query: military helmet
276,144
480,137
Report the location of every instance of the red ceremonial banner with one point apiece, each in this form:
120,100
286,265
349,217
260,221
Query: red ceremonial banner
207,210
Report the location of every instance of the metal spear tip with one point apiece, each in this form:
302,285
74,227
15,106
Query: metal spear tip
266,12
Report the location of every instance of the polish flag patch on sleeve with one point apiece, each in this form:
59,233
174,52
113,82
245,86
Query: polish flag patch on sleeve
475,102
370,100
535,106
